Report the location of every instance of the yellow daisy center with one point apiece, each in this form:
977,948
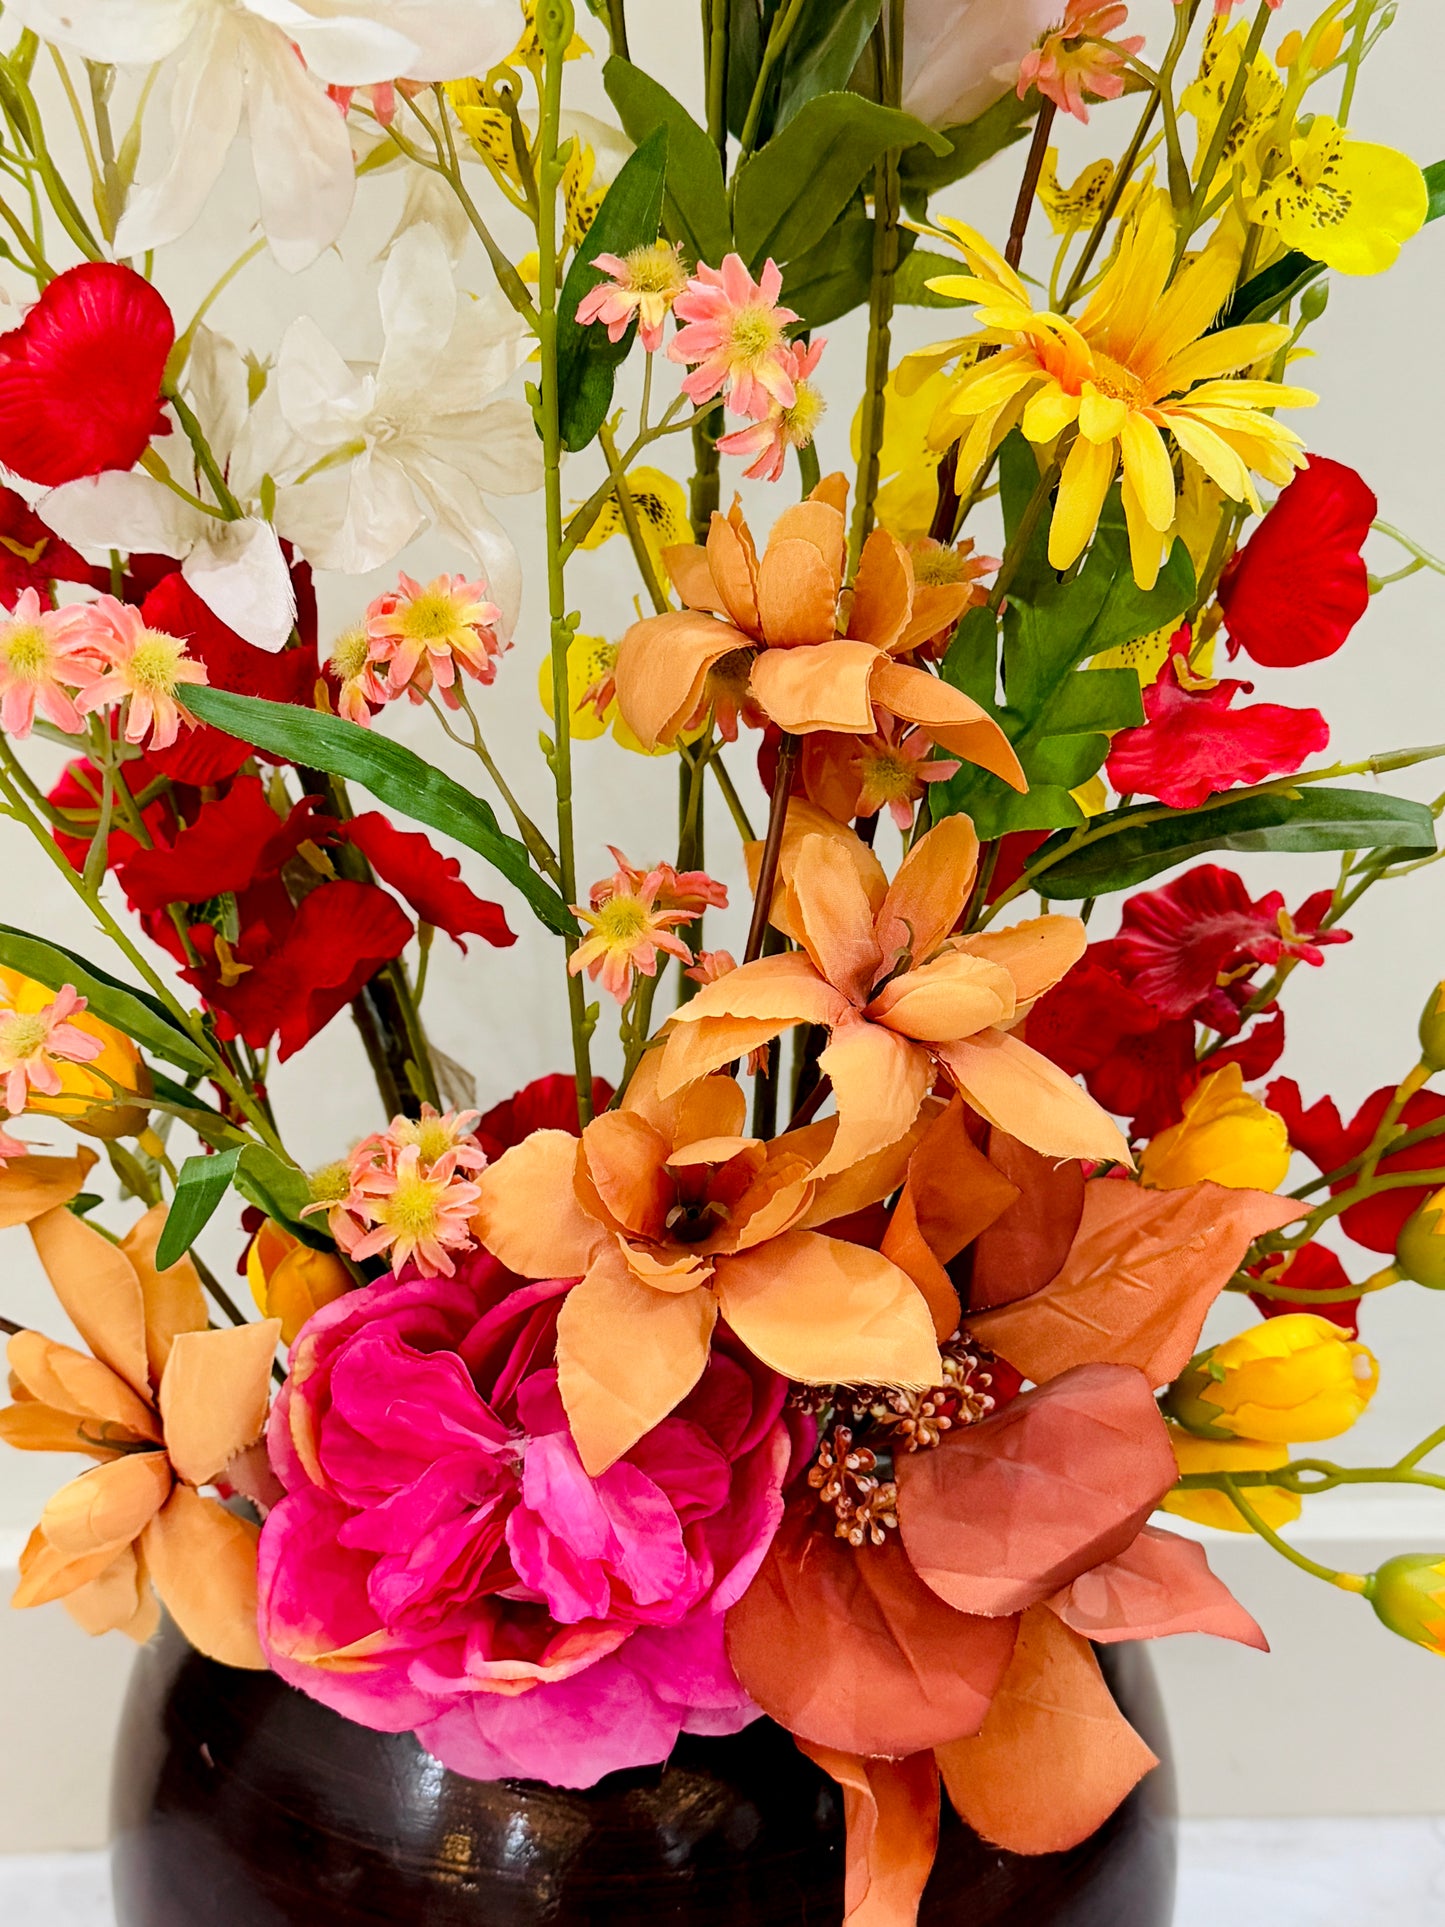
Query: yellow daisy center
655,270
801,420
411,1210
753,336
890,777
22,1034
432,618
1119,383
152,668
622,920
937,568
350,653
432,1137
27,651
331,1183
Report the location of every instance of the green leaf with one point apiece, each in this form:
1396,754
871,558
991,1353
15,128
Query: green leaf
826,43
193,1110
1435,184
694,208
910,284
142,1017
203,1182
966,147
835,275
749,23
1261,298
281,1191
394,775
790,192
1308,819
629,217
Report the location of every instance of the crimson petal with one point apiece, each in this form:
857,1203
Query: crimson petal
430,882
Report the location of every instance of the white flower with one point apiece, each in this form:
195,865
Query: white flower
265,60
422,429
960,56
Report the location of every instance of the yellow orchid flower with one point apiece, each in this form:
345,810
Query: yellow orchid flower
1207,94
1351,204
1079,206
661,504
591,661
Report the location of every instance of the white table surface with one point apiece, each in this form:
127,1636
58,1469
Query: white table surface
1234,1873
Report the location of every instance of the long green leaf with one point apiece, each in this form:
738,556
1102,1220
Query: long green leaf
281,1191
1435,186
1308,819
822,51
143,1018
203,1182
394,775
587,362
790,192
910,284
694,208
923,170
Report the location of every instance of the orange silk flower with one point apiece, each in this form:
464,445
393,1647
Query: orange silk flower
771,636
671,1218
901,998
161,1403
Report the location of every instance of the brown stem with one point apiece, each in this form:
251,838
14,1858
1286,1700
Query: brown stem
811,1105
10,1330
788,751
1034,166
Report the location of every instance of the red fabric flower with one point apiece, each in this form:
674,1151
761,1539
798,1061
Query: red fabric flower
235,840
78,790
1194,745
33,556
548,1104
1136,1063
430,882
1258,1051
80,378
1314,1268
1299,585
1327,1142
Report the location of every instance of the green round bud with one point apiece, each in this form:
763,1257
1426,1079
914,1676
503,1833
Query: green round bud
1432,1029
1408,1595
1420,1248
1314,300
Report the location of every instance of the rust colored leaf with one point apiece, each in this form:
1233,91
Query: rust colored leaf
891,1811
1027,1244
1161,1584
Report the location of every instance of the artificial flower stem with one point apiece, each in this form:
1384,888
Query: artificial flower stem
1413,1081
716,77
778,36
1421,1451
731,798
538,848
87,146
583,519
1405,1142
789,750
1348,1581
880,291
113,186
1332,1207
1209,166
180,354
617,27
1359,29
1180,186
1029,184
30,129
230,508
627,509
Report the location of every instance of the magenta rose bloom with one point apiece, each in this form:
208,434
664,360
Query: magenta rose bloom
442,1562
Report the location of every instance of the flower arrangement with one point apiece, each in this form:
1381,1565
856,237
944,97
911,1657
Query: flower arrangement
847,1297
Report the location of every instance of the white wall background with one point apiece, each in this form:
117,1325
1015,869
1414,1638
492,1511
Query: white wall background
1343,1718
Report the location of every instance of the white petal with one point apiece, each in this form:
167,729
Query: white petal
351,519
241,574
120,511
300,149
418,308
453,37
496,447
459,511
117,31
323,399
430,202
346,45
959,56
489,343
206,91
217,387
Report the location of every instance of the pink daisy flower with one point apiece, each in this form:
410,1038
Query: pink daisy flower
415,1213
766,443
734,340
690,890
1070,57
645,282
33,1042
422,636
144,668
434,1135
631,921
44,659
353,663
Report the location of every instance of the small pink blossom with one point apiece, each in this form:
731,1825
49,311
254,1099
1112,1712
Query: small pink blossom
690,890
417,1213
354,663
635,914
712,965
144,668
645,283
734,340
32,1042
44,659
766,443
1072,57
422,636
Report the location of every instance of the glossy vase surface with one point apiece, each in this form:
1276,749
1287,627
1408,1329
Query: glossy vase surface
238,1802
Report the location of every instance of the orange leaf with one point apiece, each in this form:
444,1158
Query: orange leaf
1026,1244
1055,1756
202,1562
35,1184
1003,1513
1142,1272
98,1287
891,1811
214,1396
847,1649
173,1298
1161,1584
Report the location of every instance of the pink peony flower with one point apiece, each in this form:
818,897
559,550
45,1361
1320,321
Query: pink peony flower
734,341
441,1562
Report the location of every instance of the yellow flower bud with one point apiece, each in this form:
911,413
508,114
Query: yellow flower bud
1288,1380
1408,1595
85,1100
1274,1505
1420,1248
289,1280
1432,1029
1225,1135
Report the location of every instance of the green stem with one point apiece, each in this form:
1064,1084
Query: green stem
717,79
1209,166
1360,27
538,848
627,509
617,27
205,460
1247,1512
1123,173
780,33
731,798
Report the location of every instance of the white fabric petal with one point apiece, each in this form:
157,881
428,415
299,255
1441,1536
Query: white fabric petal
959,56
428,201
240,574
116,510
489,343
453,37
206,98
300,149
418,310
347,46
352,519
117,31
323,399
459,511
217,387
496,447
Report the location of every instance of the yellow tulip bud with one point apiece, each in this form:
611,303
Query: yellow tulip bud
1408,1595
1420,1247
1288,1380
1432,1029
86,1100
289,1280
1225,1135
1273,1504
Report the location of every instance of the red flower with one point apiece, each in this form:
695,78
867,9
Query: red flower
78,790
33,556
1194,744
235,840
1299,585
1258,1051
1376,1222
1135,1062
80,378
548,1104
430,882
1314,1268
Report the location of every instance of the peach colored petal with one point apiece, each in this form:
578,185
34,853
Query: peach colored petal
75,1383
687,564
845,1648
1007,1511
882,592
803,820
693,1050
879,1082
174,1301
1142,1272
1055,1756
32,1427
1027,1245
117,1600
821,524
668,1270
215,1395
927,896
1035,953
733,565
98,1287
826,1312
797,595
952,720
626,1356
835,917
714,1107
1027,1096
202,1562
711,1150
107,1506
868,1181
824,687
786,987
936,606
1159,1585
34,1184
528,1214
954,996
624,1156
890,1810
47,1575
832,489
952,1194
661,671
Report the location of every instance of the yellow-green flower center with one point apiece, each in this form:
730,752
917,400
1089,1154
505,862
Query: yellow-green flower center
331,1183
937,568
1119,383
411,1210
152,668
22,1034
432,1137
432,618
753,336
890,777
801,420
349,654
27,652
623,920
655,270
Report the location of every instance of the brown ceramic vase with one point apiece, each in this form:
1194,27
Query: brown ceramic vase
238,1802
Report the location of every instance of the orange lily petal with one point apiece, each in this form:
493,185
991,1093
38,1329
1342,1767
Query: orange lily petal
879,1082
835,917
1138,1280
34,1184
832,489
1055,1756
75,1383
626,1356
926,898
1035,953
173,1299
118,1600
1160,1585
797,595
88,1521
867,1182
733,563
936,606
98,1287
951,719
693,1050
803,820
826,1312
890,1809
954,996
714,1107
215,1394
202,1562
819,522
528,1214
882,592
826,686
1024,1094
32,1427
1027,1245
623,1158
662,666
745,1008
691,573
